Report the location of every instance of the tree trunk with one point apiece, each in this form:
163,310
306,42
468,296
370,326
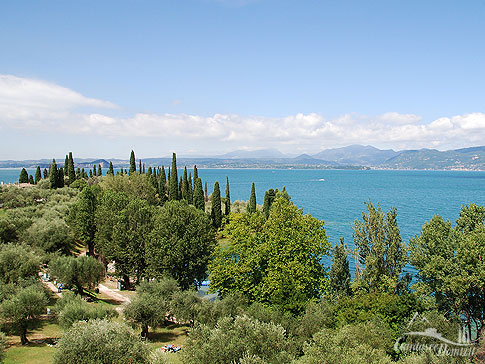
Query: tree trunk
144,331
23,336
126,280
91,248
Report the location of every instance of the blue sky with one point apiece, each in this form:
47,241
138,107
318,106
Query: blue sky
206,76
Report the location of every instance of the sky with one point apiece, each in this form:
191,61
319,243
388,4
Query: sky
205,77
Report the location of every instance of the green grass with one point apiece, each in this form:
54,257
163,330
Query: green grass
173,334
30,354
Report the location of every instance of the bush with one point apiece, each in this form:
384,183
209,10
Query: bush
233,340
72,308
101,342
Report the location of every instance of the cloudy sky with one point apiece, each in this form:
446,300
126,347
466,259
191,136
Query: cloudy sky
205,77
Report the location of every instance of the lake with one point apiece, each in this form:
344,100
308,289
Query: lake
338,196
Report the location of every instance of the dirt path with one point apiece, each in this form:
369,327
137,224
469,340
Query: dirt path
115,296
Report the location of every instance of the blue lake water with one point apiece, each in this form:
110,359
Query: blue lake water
338,196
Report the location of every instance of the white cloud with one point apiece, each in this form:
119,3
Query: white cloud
38,105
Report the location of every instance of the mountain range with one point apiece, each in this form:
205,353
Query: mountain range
350,157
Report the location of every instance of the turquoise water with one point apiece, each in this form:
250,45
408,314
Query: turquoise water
338,196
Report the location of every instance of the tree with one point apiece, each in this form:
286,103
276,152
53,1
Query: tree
450,265
45,173
180,244
173,188
52,235
163,186
83,271
31,180
185,186
101,342
252,200
269,197
18,264
132,163
60,178
3,346
111,170
199,202
8,231
70,169
136,186
234,340
151,305
379,249
100,171
339,275
81,217
24,176
227,202
216,212
191,190
53,178
124,224
206,194
275,261
23,309
38,175
196,173
73,308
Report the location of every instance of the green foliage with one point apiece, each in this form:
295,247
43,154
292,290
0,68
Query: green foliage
82,215
124,225
83,271
173,187
198,198
339,275
275,261
216,212
111,170
38,175
70,169
8,231
51,235
17,263
185,186
450,264
180,244
24,176
235,339
135,185
101,342
227,202
72,308
23,309
151,305
3,346
132,163
53,178
252,200
379,248
359,343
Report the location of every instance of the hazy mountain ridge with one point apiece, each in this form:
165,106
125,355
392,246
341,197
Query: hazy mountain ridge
350,157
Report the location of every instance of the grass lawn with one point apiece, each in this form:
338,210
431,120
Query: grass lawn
173,334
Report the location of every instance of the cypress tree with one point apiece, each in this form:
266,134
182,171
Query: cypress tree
216,212
70,169
149,171
227,203
132,162
143,168
139,166
66,164
191,192
90,173
31,180
162,182
111,171
60,177
38,175
100,171
199,195
173,188
252,200
45,173
185,186
53,175
180,188
206,194
83,174
79,173
24,176
196,174
266,205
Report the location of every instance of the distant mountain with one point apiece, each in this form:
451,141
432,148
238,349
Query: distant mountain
259,153
356,155
459,159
